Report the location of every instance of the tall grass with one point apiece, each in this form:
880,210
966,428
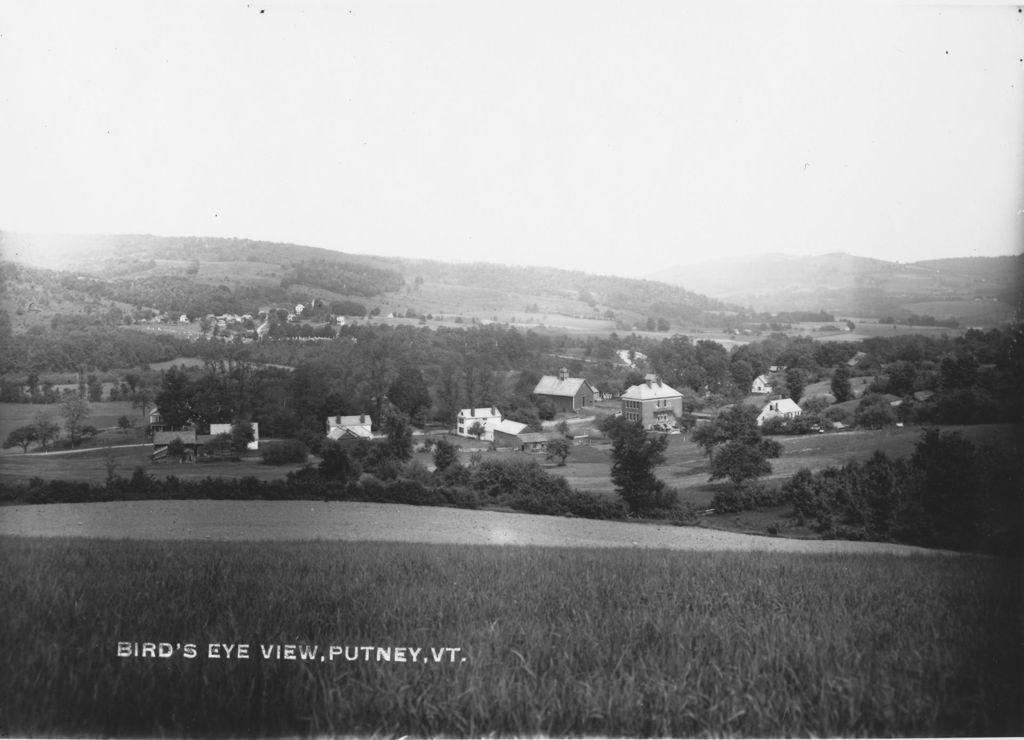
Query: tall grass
558,642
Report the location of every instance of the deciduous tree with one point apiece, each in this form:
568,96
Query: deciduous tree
740,460
21,437
558,449
75,411
445,454
47,429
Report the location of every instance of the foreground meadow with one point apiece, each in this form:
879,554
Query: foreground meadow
510,640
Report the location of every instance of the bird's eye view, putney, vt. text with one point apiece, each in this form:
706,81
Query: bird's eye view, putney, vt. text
471,370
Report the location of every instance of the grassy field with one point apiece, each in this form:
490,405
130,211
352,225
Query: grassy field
549,642
90,466
104,416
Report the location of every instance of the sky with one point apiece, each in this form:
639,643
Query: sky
611,137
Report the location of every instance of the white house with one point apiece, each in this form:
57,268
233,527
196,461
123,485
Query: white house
760,385
488,417
349,427
784,408
216,429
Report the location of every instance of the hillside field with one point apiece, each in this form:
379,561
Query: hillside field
104,416
511,641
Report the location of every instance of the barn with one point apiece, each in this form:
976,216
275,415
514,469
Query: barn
567,395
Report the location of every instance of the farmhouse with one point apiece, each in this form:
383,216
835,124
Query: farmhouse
784,408
487,417
761,385
349,427
566,394
506,434
652,403
156,421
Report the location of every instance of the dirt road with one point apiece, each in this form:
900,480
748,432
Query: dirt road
308,520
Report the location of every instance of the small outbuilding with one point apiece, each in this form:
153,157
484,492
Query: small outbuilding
506,434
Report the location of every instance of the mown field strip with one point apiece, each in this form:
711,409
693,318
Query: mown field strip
357,521
556,642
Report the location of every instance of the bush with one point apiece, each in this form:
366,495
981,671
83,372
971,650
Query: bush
747,498
285,453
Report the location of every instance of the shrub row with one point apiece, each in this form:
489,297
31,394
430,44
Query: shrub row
556,499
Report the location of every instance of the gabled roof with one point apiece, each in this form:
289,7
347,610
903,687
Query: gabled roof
782,406
761,378
510,427
357,432
650,391
342,427
551,385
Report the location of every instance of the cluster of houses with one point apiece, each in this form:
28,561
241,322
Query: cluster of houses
653,403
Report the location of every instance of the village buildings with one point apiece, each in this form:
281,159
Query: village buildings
567,395
653,403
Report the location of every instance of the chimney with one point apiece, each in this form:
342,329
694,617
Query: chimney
651,379
494,411
337,420
472,412
563,373
362,418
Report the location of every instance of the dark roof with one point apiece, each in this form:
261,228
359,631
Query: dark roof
187,436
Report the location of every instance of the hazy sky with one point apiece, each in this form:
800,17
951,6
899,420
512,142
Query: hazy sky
613,137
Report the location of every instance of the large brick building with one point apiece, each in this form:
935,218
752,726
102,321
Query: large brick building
652,403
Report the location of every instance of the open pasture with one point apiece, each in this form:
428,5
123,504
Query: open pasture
549,642
104,416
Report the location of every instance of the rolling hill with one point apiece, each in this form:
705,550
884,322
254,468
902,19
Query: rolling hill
974,290
169,273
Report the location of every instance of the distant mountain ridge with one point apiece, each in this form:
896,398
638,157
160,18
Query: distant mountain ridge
860,286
